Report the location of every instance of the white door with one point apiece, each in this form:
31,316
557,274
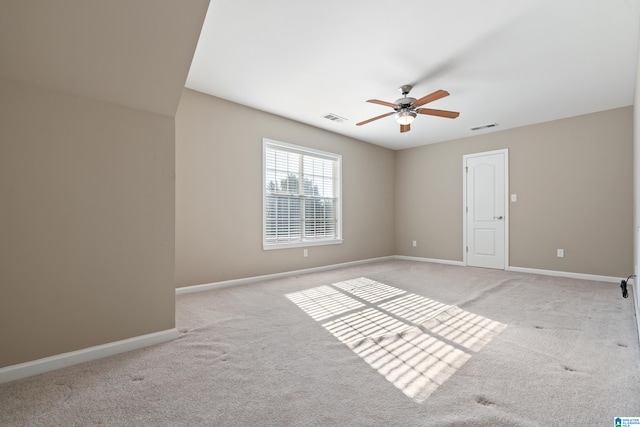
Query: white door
485,211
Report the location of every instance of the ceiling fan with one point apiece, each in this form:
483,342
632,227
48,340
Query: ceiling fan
406,109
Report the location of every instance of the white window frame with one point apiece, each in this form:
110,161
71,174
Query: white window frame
302,242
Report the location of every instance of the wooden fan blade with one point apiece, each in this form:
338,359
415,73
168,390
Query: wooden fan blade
439,113
405,128
431,97
375,118
386,104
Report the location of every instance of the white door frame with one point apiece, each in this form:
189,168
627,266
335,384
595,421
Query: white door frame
504,151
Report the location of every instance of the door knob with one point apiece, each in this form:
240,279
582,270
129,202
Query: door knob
498,217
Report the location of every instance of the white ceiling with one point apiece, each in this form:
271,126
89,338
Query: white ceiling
511,62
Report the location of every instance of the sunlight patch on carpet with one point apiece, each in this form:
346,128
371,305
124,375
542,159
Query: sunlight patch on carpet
414,342
369,323
369,290
466,329
414,308
414,362
323,302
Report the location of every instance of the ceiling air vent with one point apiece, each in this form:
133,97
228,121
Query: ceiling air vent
490,125
334,118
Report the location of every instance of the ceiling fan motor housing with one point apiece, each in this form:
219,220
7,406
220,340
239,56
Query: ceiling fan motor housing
404,102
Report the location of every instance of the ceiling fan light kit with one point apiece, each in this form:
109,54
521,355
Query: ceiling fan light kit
406,108
405,117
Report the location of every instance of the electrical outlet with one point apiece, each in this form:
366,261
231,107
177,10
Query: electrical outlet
306,252
560,253
415,243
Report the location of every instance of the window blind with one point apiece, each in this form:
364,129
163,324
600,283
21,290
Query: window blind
300,195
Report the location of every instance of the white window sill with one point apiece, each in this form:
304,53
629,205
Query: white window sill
306,244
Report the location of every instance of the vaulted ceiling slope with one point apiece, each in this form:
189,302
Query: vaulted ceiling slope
503,61
135,53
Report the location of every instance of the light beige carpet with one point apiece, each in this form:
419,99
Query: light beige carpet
394,343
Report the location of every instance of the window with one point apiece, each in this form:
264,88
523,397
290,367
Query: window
302,205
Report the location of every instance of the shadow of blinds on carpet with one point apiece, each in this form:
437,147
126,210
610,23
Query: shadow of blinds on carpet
414,342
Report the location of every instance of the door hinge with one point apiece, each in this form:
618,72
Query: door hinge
467,249
466,169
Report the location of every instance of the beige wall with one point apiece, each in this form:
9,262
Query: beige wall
86,222
219,193
573,179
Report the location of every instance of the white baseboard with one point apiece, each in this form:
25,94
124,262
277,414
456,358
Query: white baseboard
566,274
244,281
34,367
237,282
522,270
436,261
